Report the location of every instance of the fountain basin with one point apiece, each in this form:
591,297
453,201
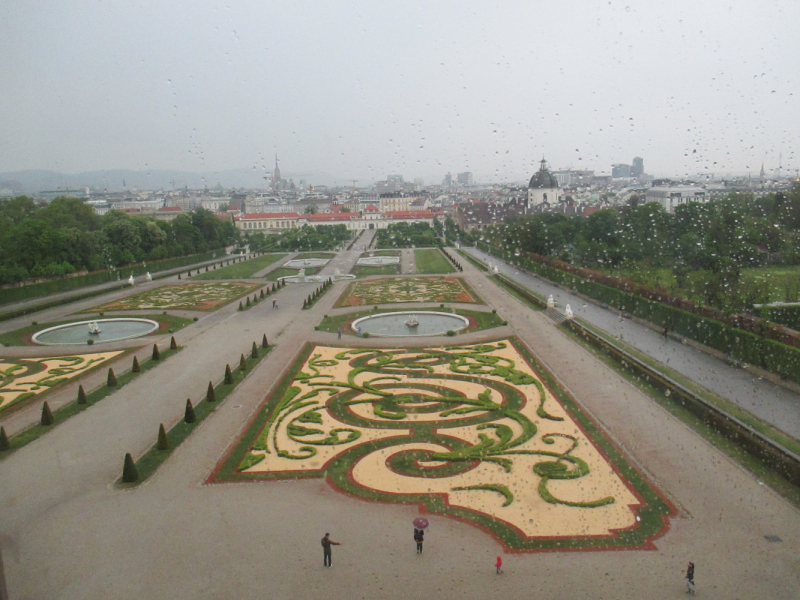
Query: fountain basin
304,263
393,324
111,330
378,260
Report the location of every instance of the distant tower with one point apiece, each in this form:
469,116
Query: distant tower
761,174
637,168
276,176
543,187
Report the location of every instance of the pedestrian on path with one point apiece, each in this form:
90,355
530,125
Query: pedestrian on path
419,536
327,542
274,303
690,579
339,333
499,565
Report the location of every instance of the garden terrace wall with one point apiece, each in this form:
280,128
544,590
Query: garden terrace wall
565,273
65,284
739,344
779,459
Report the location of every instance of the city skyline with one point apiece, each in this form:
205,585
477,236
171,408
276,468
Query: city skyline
361,91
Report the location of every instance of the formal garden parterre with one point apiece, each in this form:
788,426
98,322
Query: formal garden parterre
393,290
477,432
24,378
189,296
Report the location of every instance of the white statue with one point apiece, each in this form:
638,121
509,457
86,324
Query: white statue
568,313
148,276
301,273
495,269
94,328
130,280
550,302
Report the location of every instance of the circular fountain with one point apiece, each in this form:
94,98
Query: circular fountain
378,260
99,331
305,263
409,323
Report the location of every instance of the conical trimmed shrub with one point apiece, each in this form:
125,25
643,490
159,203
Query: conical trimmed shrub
240,305
111,381
264,342
189,415
206,268
163,442
47,416
135,368
179,275
189,274
211,395
248,301
156,352
274,287
228,375
129,472
173,345
262,293
242,364
305,303
254,351
4,443
81,395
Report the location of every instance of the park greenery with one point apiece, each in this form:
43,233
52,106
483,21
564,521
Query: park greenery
66,235
701,252
406,235
308,237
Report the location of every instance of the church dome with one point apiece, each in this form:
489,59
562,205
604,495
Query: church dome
543,179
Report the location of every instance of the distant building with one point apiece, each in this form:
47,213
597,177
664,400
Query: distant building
447,182
620,170
465,178
671,197
543,187
637,168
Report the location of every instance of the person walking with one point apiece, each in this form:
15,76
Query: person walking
274,303
690,579
419,536
339,333
499,565
327,542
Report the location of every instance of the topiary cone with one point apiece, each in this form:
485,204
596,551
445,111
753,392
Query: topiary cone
47,416
156,352
211,395
240,305
129,472
262,292
111,381
248,301
254,351
163,442
135,368
179,275
242,364
228,375
189,415
81,395
173,345
264,342
4,443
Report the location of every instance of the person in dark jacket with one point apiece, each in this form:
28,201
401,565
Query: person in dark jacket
690,579
419,536
327,542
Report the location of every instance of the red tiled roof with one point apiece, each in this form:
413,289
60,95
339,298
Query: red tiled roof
409,214
251,216
170,209
371,208
331,216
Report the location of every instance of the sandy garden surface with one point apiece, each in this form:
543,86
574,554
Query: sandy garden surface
189,296
473,426
24,377
407,289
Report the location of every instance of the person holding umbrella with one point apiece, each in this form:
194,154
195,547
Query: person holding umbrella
420,523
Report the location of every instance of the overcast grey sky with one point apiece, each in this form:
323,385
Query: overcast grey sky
364,89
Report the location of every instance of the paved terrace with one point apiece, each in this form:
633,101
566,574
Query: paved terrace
66,533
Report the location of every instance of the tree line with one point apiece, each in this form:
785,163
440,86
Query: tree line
307,237
66,235
705,247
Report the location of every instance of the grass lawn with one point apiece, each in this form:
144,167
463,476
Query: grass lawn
284,272
315,255
241,270
432,261
783,283
18,337
366,270
481,319
380,253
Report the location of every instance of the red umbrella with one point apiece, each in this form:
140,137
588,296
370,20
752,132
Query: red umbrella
421,523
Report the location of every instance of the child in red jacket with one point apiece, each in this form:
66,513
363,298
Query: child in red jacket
499,565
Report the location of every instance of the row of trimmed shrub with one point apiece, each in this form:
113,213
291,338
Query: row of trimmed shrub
65,284
788,316
740,344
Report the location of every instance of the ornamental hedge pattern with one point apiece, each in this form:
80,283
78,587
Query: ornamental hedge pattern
190,296
477,432
407,289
